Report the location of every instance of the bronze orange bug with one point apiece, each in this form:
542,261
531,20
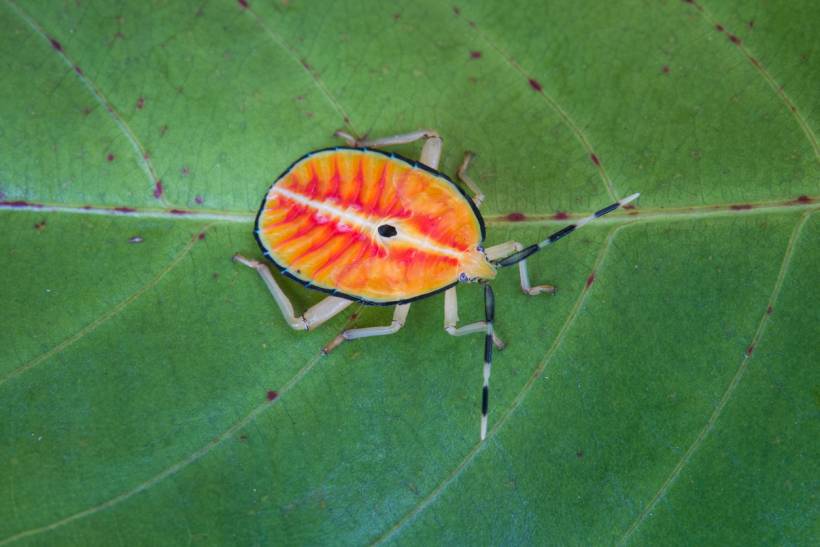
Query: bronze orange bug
370,226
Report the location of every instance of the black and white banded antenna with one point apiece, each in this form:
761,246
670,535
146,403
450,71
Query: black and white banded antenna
560,234
489,314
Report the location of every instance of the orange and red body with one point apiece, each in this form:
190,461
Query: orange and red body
371,226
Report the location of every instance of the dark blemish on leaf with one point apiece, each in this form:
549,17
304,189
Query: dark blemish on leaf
215,275
560,215
535,84
665,69
140,103
243,3
78,70
629,206
125,210
272,395
86,110
110,157
803,199
243,438
87,207
751,23
135,239
472,79
595,159
719,27
740,207
19,204
201,236
40,226
755,62
146,156
300,98
769,310
185,171
305,64
590,280
456,11
179,212
163,130
309,114
516,217
396,16
471,23
633,213
55,44
750,350
158,189
199,200
734,39
579,454
475,55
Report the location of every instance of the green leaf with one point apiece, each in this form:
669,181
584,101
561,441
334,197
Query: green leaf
668,393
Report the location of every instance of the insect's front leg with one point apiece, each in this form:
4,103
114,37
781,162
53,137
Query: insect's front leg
313,316
451,320
508,248
478,197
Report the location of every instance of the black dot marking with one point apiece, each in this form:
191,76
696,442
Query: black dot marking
386,230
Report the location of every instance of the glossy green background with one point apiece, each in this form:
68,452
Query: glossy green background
674,400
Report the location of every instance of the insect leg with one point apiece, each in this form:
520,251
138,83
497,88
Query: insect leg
451,319
404,138
399,317
313,317
489,311
478,198
504,249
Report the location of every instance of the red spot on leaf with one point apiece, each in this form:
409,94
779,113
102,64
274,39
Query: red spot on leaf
755,62
803,199
55,44
40,226
769,310
140,103
471,23
19,204
305,64
516,217
243,3
272,395
199,200
750,350
590,280
475,55
201,236
719,27
158,189
535,84
560,215
125,210
146,156
740,207
78,70
396,16
179,212
629,206
665,69
734,39
110,157
595,159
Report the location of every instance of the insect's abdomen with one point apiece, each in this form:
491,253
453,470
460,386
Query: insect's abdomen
321,222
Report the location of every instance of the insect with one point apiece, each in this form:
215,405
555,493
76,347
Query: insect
371,226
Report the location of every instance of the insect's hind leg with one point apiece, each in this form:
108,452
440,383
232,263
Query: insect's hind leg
404,138
451,320
399,317
313,316
504,249
478,195
430,153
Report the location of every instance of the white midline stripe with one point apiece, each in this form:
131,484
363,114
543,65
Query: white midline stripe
364,222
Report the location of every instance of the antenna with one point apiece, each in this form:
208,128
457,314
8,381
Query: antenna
560,234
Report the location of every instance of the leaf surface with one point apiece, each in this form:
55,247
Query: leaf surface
667,393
